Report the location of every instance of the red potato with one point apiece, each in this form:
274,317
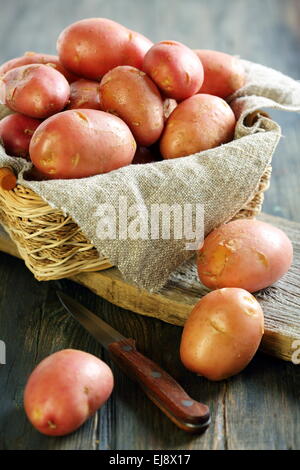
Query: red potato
81,143
84,94
65,389
222,333
249,254
223,73
175,69
37,58
135,49
199,123
16,131
93,46
132,95
35,90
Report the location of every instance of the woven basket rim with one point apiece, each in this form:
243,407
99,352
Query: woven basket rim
51,243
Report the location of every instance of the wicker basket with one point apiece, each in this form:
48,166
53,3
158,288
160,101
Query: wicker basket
53,246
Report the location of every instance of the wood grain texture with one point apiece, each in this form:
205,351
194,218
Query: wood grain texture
266,393
259,408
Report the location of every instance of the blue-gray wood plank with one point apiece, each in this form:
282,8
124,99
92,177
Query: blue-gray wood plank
259,408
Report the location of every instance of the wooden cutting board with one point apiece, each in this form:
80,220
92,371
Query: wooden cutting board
173,303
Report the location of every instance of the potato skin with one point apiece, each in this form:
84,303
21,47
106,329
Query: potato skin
223,73
133,96
37,58
249,254
135,49
84,94
93,46
199,123
175,69
81,143
222,333
16,131
35,90
65,389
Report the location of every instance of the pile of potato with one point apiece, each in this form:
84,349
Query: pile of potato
109,94
225,328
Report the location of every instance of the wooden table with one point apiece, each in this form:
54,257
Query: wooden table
259,408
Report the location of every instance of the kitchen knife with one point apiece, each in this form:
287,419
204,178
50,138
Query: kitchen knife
160,387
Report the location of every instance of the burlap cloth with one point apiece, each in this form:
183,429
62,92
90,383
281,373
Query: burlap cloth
222,179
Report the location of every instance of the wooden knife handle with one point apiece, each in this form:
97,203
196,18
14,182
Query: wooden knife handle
8,179
160,387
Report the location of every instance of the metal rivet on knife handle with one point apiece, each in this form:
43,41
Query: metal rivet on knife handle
161,388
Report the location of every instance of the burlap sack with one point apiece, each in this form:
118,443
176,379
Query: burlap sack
222,179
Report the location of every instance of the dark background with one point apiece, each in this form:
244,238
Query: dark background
259,408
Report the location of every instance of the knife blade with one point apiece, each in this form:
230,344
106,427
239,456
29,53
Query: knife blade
160,387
